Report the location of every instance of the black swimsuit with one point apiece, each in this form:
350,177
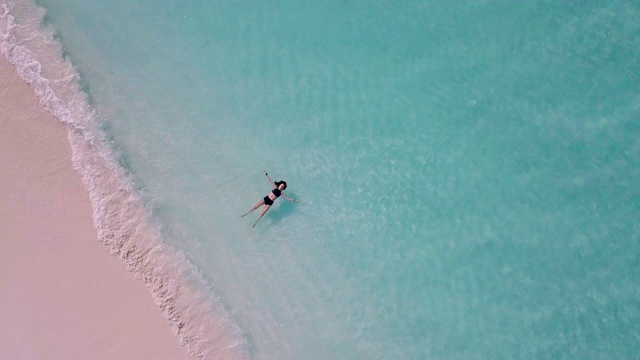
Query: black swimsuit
268,201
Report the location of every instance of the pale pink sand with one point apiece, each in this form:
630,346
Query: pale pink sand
62,296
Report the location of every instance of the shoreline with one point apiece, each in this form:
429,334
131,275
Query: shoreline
62,295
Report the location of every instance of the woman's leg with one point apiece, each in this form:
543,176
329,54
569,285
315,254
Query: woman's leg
260,203
266,208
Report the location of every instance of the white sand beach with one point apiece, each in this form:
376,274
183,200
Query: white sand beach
62,295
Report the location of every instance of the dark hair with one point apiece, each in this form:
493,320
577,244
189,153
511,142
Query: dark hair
278,183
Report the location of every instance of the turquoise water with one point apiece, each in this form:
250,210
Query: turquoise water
467,172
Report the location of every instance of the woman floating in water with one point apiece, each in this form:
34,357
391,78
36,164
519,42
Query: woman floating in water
278,189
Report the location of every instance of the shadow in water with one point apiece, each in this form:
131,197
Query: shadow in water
275,215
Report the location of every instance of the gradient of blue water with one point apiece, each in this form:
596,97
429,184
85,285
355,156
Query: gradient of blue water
468,172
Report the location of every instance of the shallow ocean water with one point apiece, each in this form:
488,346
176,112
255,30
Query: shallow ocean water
467,172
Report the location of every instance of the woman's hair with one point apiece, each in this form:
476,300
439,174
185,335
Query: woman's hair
281,182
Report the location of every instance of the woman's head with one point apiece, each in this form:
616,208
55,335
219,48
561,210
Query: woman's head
281,182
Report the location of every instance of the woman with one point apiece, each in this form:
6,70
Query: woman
278,189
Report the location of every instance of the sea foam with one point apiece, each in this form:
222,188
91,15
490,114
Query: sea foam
122,219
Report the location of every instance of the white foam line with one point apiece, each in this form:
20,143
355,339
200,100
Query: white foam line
122,221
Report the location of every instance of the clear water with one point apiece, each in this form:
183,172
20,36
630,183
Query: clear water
467,172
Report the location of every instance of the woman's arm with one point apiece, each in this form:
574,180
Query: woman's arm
271,181
288,198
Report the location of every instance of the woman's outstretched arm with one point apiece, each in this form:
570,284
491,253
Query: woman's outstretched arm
271,181
288,198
